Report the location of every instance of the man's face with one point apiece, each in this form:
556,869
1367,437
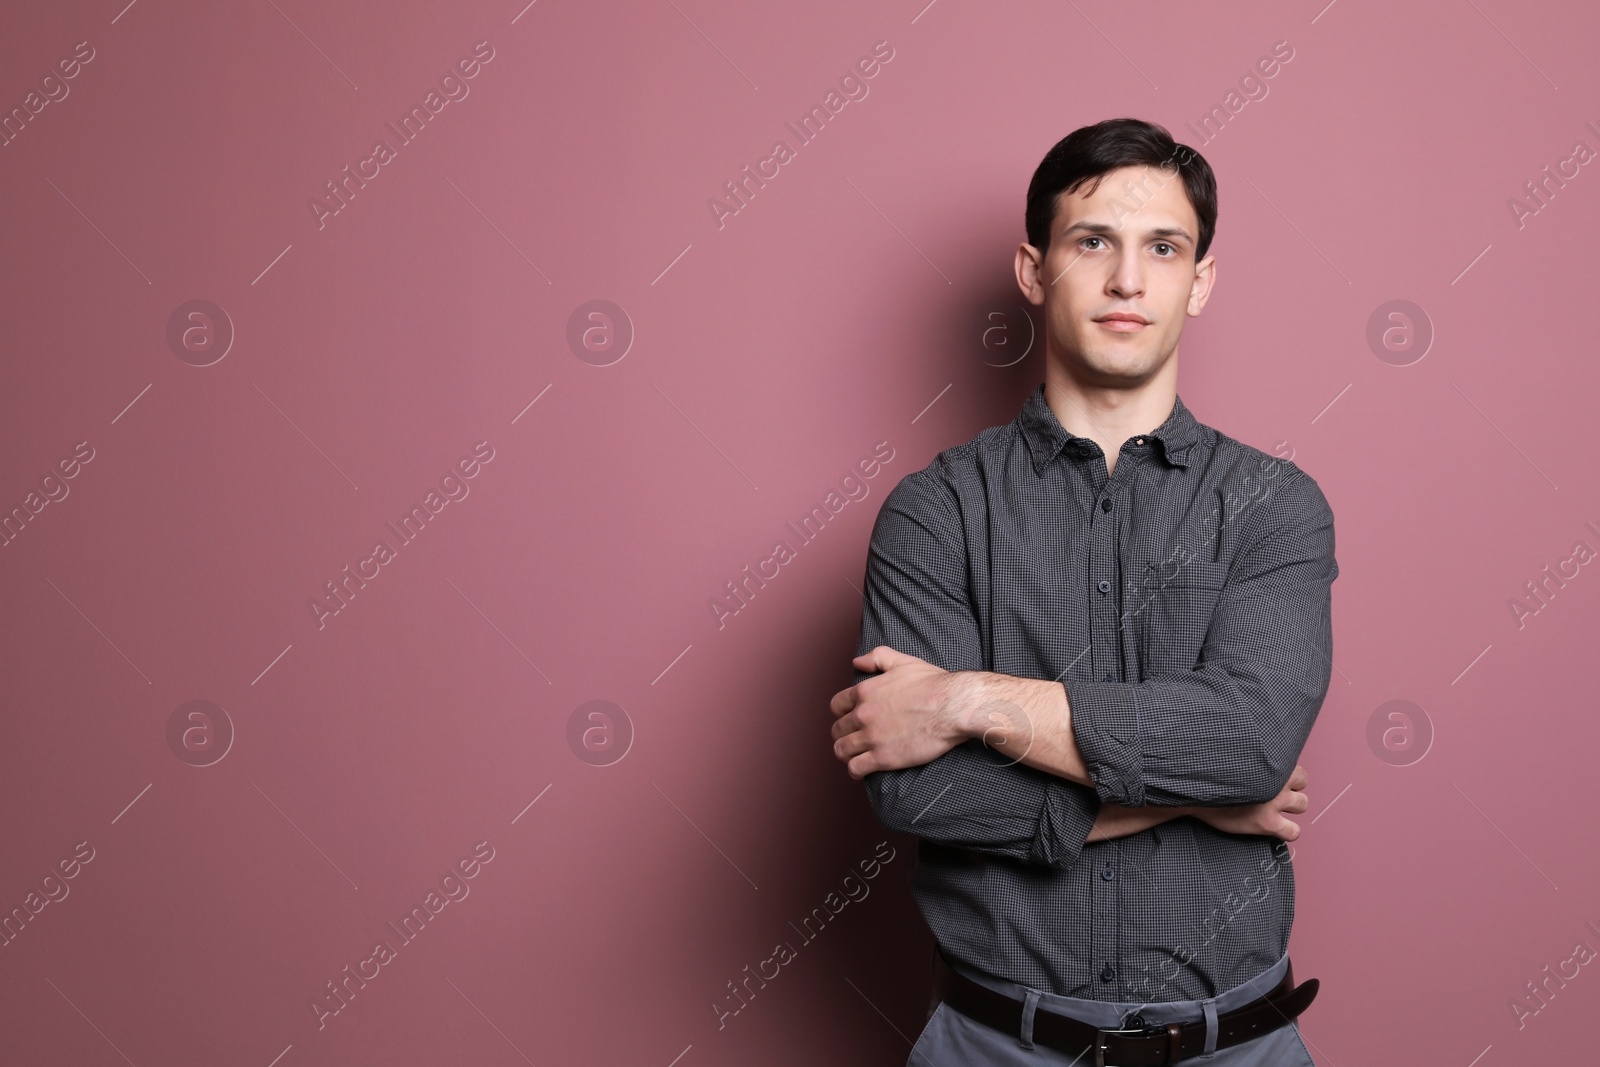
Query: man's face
1126,249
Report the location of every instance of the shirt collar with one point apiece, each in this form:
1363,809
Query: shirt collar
1046,437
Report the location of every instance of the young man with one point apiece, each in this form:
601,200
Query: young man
1093,645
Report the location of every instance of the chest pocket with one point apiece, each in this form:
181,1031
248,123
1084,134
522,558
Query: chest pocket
1171,607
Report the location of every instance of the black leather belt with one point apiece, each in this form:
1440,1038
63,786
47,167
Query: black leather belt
1142,1045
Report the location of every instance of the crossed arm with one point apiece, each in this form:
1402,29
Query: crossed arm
1031,769
911,713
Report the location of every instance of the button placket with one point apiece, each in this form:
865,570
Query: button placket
1106,652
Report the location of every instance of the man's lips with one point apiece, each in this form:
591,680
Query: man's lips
1122,323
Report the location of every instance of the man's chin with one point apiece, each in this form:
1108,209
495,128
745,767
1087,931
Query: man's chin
1124,368
1125,365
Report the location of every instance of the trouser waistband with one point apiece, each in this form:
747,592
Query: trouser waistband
1123,1033
1110,1013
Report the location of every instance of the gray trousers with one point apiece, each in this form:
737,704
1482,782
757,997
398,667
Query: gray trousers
951,1039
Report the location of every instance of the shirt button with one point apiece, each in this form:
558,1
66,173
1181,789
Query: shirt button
1108,874
1105,504
1107,678
1107,973
1104,586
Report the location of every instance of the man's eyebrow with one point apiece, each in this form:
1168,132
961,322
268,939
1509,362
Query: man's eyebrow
1104,228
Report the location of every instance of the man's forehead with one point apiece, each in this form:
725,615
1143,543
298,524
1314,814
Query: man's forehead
1156,202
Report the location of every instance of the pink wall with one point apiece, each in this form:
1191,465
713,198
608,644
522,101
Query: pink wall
363,756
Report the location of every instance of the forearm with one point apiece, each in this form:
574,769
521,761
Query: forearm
1146,742
1027,719
1115,820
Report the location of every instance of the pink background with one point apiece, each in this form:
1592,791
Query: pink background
844,305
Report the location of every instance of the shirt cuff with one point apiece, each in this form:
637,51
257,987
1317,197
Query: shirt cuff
1105,723
1065,819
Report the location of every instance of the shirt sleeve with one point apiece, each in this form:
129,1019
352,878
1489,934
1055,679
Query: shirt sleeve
1229,731
916,602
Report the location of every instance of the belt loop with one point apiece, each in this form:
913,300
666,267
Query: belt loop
1210,1008
1029,1006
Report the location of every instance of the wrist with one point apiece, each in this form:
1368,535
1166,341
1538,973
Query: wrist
963,695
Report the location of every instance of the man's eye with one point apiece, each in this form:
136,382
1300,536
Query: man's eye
1163,244
1089,239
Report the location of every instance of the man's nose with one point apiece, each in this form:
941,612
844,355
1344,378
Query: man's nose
1127,279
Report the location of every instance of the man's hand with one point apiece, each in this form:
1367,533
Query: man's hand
1265,818
902,717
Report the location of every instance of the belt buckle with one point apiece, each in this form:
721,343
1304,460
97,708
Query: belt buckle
1142,1030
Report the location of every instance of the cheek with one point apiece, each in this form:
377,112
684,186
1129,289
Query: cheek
1065,320
1172,299
1073,294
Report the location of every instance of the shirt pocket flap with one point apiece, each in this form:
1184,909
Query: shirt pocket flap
1172,604
1205,573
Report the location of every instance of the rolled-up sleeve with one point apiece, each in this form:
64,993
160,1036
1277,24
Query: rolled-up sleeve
1229,731
917,602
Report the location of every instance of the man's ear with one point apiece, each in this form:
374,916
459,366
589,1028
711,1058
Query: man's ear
1030,273
1205,276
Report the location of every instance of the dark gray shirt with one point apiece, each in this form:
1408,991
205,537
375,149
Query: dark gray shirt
1185,604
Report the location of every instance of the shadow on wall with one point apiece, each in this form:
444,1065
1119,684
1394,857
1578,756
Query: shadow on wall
968,361
989,353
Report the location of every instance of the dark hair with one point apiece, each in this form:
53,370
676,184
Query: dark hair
1089,152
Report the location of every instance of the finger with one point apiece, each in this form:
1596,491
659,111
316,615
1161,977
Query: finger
850,746
847,724
861,766
879,658
1297,780
845,700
